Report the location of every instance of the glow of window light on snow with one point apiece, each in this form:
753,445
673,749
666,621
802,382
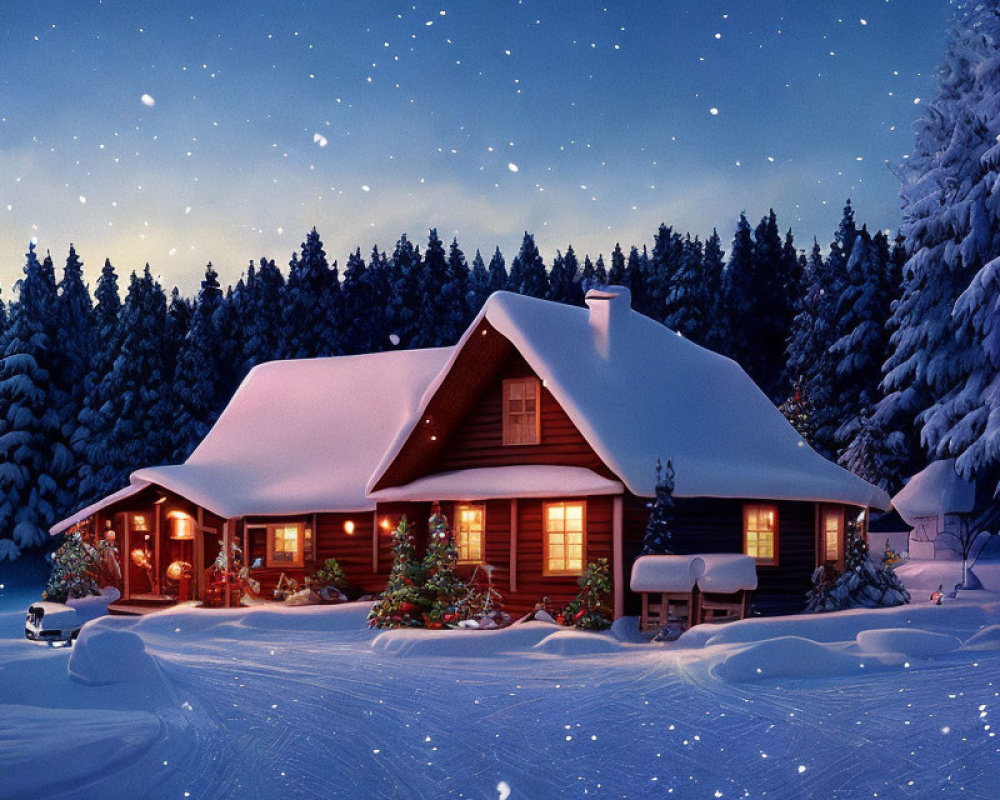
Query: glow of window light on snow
148,101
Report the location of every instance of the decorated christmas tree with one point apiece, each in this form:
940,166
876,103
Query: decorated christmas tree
590,608
798,410
401,604
443,591
659,537
75,571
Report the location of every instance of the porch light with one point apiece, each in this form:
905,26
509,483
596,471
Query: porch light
139,523
349,527
160,500
385,524
181,526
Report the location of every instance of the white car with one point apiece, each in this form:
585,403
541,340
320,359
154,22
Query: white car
55,623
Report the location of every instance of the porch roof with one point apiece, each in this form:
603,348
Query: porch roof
487,483
122,494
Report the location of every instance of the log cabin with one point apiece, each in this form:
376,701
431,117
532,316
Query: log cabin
538,433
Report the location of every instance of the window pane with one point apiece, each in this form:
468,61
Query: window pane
556,513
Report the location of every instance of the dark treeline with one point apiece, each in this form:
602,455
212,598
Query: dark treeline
92,388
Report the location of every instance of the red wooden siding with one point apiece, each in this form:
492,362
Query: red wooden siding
478,439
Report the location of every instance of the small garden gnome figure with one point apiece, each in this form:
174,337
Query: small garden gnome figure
937,595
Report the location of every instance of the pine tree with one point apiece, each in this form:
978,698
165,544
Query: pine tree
479,285
600,272
404,276
90,449
443,592
75,343
262,314
76,570
559,286
401,605
686,309
312,303
798,410
635,278
527,272
435,323
737,296
199,395
499,280
712,268
591,609
617,275
361,333
659,534
946,347
456,292
864,583
34,461
662,269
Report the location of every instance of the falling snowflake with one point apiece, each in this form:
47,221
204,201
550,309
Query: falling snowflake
512,167
148,101
320,139
713,111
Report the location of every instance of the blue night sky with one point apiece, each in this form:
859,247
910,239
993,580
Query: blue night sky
181,132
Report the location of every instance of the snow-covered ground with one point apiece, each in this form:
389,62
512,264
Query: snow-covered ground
305,702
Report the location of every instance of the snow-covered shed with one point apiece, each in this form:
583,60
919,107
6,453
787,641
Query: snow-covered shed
538,432
935,502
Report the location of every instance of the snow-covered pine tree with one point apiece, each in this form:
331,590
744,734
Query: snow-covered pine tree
947,341
262,314
573,286
557,289
75,343
663,266
659,530
798,410
864,583
311,314
685,310
859,352
499,280
404,281
33,458
712,268
362,332
229,330
587,272
600,278
479,285
456,291
197,390
527,271
90,449
737,295
635,277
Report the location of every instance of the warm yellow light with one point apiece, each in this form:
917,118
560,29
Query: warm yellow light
385,524
178,569
349,527
139,523
182,526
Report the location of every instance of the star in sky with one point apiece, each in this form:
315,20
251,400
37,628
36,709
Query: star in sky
176,133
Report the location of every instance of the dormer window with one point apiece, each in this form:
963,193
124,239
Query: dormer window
521,418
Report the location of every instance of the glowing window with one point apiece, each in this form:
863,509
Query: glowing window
564,551
760,527
285,545
521,419
833,533
469,533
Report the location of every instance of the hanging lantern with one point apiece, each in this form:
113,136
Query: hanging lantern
178,570
181,526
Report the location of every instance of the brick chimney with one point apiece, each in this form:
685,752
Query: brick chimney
610,311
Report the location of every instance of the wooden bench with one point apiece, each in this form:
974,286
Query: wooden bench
658,608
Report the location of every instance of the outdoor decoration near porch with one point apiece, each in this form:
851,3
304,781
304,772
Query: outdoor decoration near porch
143,559
659,536
863,583
443,590
76,569
399,604
590,609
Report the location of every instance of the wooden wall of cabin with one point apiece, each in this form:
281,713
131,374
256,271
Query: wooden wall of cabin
715,525
478,441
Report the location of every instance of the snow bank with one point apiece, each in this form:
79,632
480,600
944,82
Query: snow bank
666,573
578,643
785,657
844,626
48,748
986,639
907,642
93,606
923,577
726,573
107,654
420,643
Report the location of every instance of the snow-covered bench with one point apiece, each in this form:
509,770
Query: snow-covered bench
693,588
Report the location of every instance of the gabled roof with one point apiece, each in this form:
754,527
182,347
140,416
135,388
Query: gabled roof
299,436
637,392
936,489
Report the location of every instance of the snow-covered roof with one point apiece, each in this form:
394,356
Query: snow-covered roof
936,489
637,392
122,494
299,436
531,480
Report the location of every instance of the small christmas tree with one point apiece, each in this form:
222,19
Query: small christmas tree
400,604
589,609
798,410
659,536
76,568
443,591
819,598
330,574
864,583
